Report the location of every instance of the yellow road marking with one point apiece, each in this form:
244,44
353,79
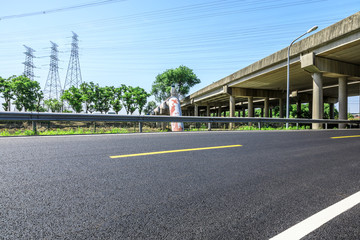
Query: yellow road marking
174,151
354,136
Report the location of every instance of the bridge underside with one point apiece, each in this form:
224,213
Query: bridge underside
324,68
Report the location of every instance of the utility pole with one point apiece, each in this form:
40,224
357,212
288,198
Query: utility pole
53,85
29,64
73,75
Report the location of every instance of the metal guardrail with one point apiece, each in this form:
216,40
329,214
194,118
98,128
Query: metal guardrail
37,117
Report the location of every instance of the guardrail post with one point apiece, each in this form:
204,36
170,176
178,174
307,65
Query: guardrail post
326,125
34,127
259,125
297,126
140,127
209,126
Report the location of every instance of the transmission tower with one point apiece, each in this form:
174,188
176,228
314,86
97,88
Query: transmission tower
29,64
73,75
53,86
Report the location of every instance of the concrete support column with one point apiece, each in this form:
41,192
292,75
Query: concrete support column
298,108
271,112
244,112
310,108
343,101
250,107
332,110
219,111
232,106
208,110
196,110
318,102
231,110
281,107
266,107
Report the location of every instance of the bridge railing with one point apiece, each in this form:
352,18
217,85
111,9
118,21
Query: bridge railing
38,117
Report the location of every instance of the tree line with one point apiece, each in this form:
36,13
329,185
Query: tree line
27,95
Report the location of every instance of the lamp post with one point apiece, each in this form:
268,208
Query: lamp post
288,71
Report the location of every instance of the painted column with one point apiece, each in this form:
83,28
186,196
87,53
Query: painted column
250,106
343,102
266,107
318,102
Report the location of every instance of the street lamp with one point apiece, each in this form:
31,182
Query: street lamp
288,71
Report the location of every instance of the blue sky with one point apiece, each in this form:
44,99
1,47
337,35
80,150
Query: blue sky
131,41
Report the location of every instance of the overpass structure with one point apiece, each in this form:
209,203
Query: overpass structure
324,68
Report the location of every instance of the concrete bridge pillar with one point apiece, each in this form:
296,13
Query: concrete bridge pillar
332,110
266,107
343,102
219,111
298,109
281,107
231,109
318,104
208,110
250,107
196,110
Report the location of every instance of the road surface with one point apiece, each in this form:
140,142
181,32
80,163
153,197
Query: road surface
220,185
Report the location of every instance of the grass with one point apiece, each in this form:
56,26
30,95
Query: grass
53,132
99,130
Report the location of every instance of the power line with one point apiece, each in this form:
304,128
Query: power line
92,4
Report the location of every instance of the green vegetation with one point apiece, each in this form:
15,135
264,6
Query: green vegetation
183,76
26,95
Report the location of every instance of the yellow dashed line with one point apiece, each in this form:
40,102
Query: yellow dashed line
174,151
354,136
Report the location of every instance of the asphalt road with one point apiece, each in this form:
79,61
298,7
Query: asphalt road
68,187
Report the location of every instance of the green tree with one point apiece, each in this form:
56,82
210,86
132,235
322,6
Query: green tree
116,99
53,105
28,94
327,111
87,91
128,99
6,90
74,98
102,98
183,76
140,96
150,107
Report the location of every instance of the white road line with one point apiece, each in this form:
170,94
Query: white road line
308,225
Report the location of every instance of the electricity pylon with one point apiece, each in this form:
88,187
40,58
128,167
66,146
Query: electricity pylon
73,75
53,85
29,64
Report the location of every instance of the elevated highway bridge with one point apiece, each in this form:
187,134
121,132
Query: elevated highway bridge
324,68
